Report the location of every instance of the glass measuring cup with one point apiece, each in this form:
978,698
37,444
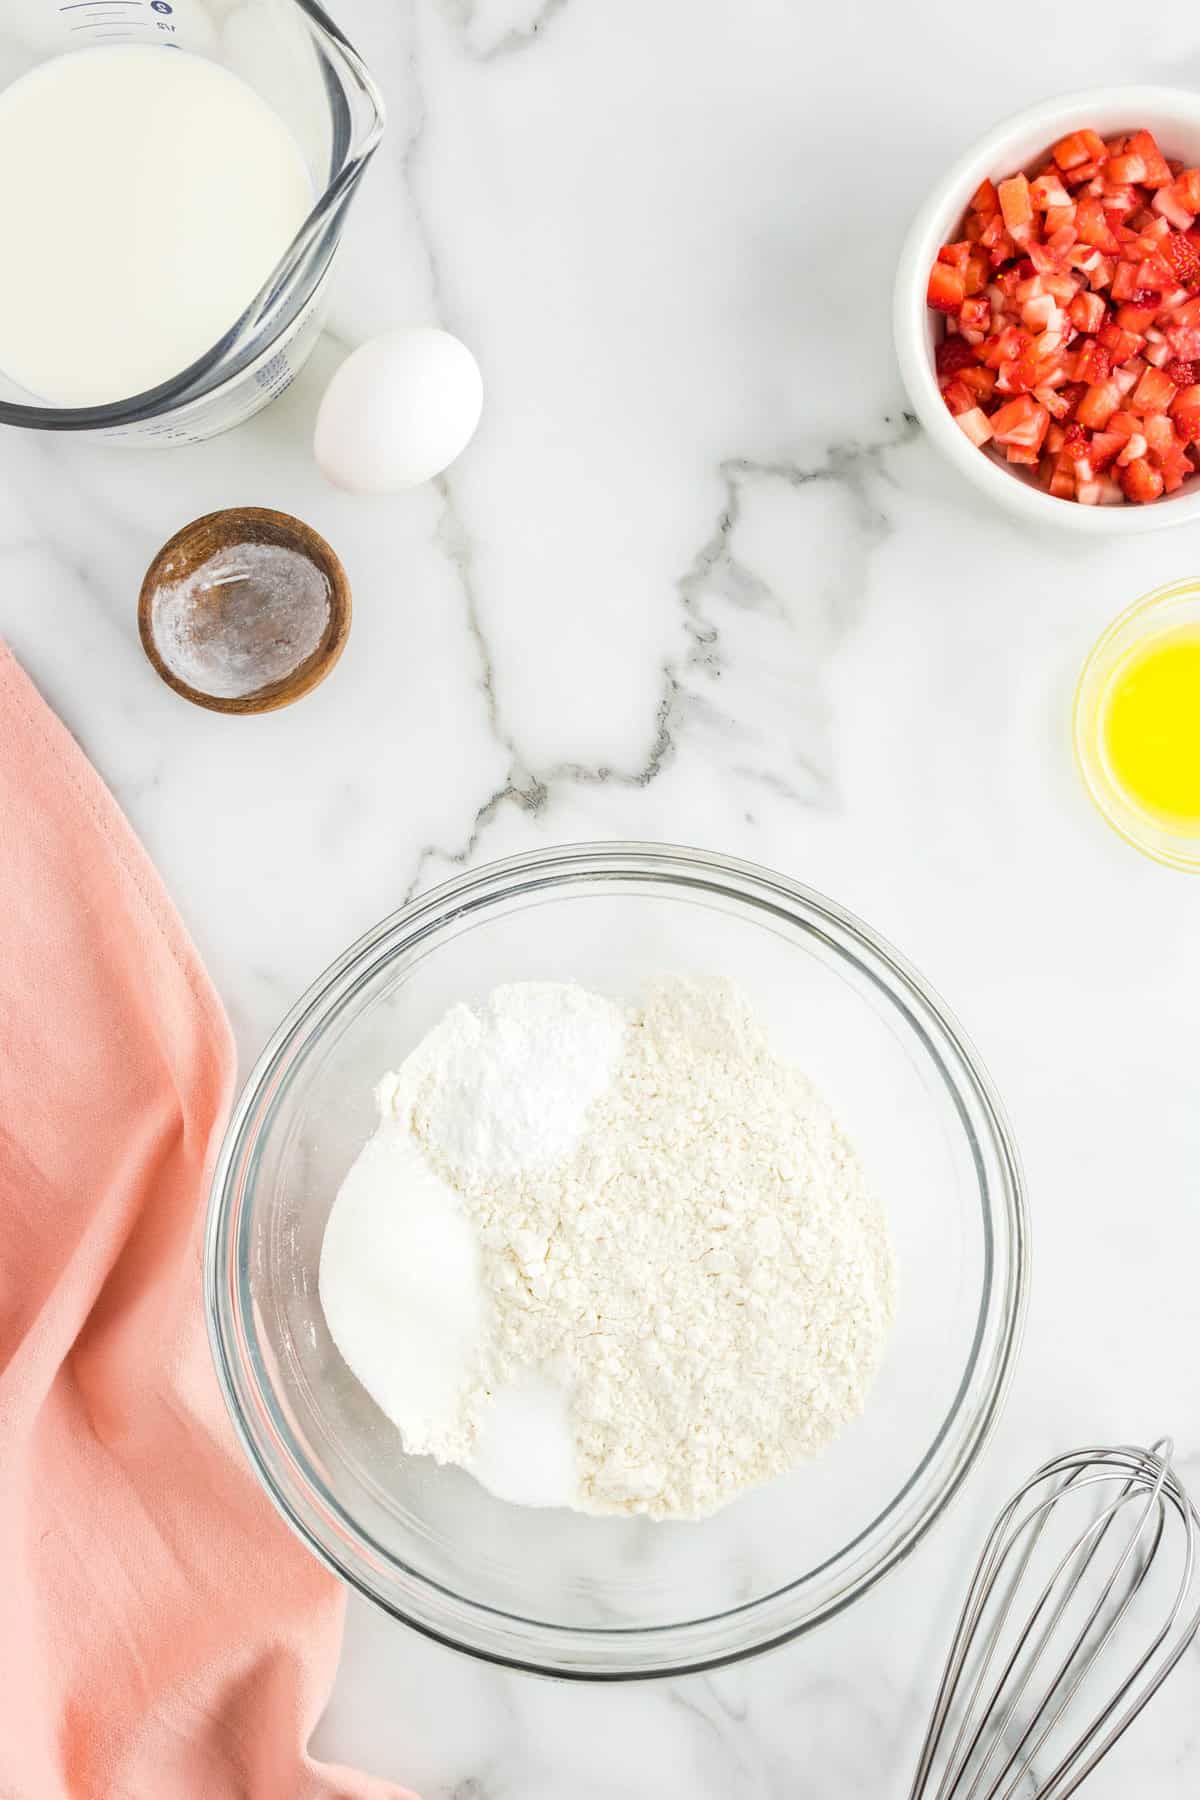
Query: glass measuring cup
295,57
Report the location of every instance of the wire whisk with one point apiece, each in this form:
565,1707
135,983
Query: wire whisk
1086,1597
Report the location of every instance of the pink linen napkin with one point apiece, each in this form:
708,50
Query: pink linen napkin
162,1635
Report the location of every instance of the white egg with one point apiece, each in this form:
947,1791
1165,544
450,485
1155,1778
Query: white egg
398,411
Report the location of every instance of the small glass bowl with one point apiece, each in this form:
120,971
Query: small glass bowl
1155,615
555,1592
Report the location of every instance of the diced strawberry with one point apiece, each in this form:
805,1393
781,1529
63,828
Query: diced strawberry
1092,227
1104,448
976,424
1060,218
955,255
981,381
1039,311
1155,274
1086,312
1126,167
1183,374
985,198
1159,434
1017,453
1135,446
1119,200
947,288
951,355
1136,317
1077,148
1064,287
1021,422
1062,480
1098,405
1176,467
1141,481
1054,401
976,273
1154,392
1016,206
1185,189
1185,414
1123,425
1075,441
958,397
1101,272
1183,259
1120,344
1124,283
1144,144
1184,341
1167,202
1093,362
1046,191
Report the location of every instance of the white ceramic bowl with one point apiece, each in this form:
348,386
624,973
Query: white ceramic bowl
1173,115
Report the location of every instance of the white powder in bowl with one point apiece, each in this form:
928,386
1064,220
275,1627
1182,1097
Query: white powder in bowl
508,1087
246,617
670,1280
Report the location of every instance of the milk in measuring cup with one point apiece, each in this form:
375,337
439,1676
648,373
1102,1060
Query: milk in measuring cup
145,196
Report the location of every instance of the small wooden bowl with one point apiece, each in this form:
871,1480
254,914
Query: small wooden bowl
237,525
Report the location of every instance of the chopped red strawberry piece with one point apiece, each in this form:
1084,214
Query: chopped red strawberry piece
955,255
1183,374
985,199
1141,481
1184,341
1021,422
1172,209
1093,363
1120,344
1015,205
958,396
1076,148
1099,404
976,424
1183,259
1092,226
1104,448
1185,414
1062,480
1075,441
947,288
1128,167
1046,191
1137,316
1154,392
1087,312
1144,144
981,381
953,354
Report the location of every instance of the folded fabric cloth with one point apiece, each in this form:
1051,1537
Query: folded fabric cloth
162,1634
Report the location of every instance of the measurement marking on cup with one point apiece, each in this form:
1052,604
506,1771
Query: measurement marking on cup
78,5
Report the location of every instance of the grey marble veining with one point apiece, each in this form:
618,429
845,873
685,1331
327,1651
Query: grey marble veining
698,578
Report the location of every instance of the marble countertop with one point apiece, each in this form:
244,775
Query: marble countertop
698,578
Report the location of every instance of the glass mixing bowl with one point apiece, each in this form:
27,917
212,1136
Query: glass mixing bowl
557,1592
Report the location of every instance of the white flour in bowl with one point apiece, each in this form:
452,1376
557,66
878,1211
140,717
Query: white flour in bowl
680,1280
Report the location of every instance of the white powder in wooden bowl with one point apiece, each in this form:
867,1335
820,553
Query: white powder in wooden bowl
245,618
